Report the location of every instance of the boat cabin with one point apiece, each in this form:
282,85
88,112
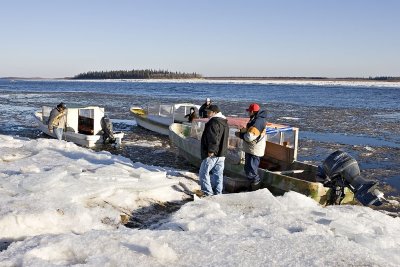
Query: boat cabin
169,114
281,145
83,120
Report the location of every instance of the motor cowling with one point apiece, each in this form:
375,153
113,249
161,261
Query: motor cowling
340,170
107,128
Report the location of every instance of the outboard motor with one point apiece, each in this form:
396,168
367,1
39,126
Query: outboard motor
106,126
340,170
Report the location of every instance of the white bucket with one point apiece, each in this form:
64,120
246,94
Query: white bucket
118,141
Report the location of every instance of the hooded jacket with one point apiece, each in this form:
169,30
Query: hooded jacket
254,136
215,137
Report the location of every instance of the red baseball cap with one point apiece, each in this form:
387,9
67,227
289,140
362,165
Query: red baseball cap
253,107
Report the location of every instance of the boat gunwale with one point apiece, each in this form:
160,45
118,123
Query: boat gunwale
316,190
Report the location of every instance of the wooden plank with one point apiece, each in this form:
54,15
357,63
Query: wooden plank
281,153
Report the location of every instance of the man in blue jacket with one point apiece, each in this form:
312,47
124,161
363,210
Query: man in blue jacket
214,145
254,142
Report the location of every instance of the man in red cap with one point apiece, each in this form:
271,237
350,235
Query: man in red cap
254,143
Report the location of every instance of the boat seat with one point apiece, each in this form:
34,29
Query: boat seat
84,129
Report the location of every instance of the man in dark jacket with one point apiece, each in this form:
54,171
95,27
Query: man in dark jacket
254,143
202,109
191,115
214,145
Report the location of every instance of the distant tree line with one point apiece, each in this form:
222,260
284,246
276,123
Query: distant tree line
296,78
136,74
384,78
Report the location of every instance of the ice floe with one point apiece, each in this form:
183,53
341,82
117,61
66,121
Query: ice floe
60,205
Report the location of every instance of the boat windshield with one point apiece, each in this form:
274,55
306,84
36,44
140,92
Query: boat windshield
276,133
176,112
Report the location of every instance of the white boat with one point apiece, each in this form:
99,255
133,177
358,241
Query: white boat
83,125
159,117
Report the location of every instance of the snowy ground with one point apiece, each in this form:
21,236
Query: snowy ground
62,205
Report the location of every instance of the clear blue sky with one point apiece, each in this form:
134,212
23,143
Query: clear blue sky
342,38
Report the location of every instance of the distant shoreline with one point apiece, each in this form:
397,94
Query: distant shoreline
242,78
355,79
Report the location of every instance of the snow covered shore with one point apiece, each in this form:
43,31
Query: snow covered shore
60,204
355,83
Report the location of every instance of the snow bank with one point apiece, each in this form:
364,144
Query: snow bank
48,186
38,178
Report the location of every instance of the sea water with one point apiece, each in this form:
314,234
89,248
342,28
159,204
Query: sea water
361,119
307,94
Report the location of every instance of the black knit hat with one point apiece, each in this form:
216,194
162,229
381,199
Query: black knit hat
213,108
62,105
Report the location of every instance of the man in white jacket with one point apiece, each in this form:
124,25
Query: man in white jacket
57,120
254,143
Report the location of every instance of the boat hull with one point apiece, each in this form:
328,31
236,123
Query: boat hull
158,117
300,177
143,121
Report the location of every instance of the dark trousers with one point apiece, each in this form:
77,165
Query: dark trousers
251,164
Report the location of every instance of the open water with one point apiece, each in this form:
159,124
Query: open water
361,120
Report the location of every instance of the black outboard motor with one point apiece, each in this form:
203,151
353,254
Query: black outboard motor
106,126
340,170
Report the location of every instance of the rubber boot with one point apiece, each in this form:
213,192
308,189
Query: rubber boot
255,185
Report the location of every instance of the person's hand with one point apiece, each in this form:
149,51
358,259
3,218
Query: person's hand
210,154
51,130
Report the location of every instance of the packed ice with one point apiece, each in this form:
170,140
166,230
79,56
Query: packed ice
62,205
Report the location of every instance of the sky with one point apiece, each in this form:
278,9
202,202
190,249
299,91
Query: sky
342,38
68,211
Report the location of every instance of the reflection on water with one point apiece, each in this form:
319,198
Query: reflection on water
389,116
394,181
348,139
306,94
